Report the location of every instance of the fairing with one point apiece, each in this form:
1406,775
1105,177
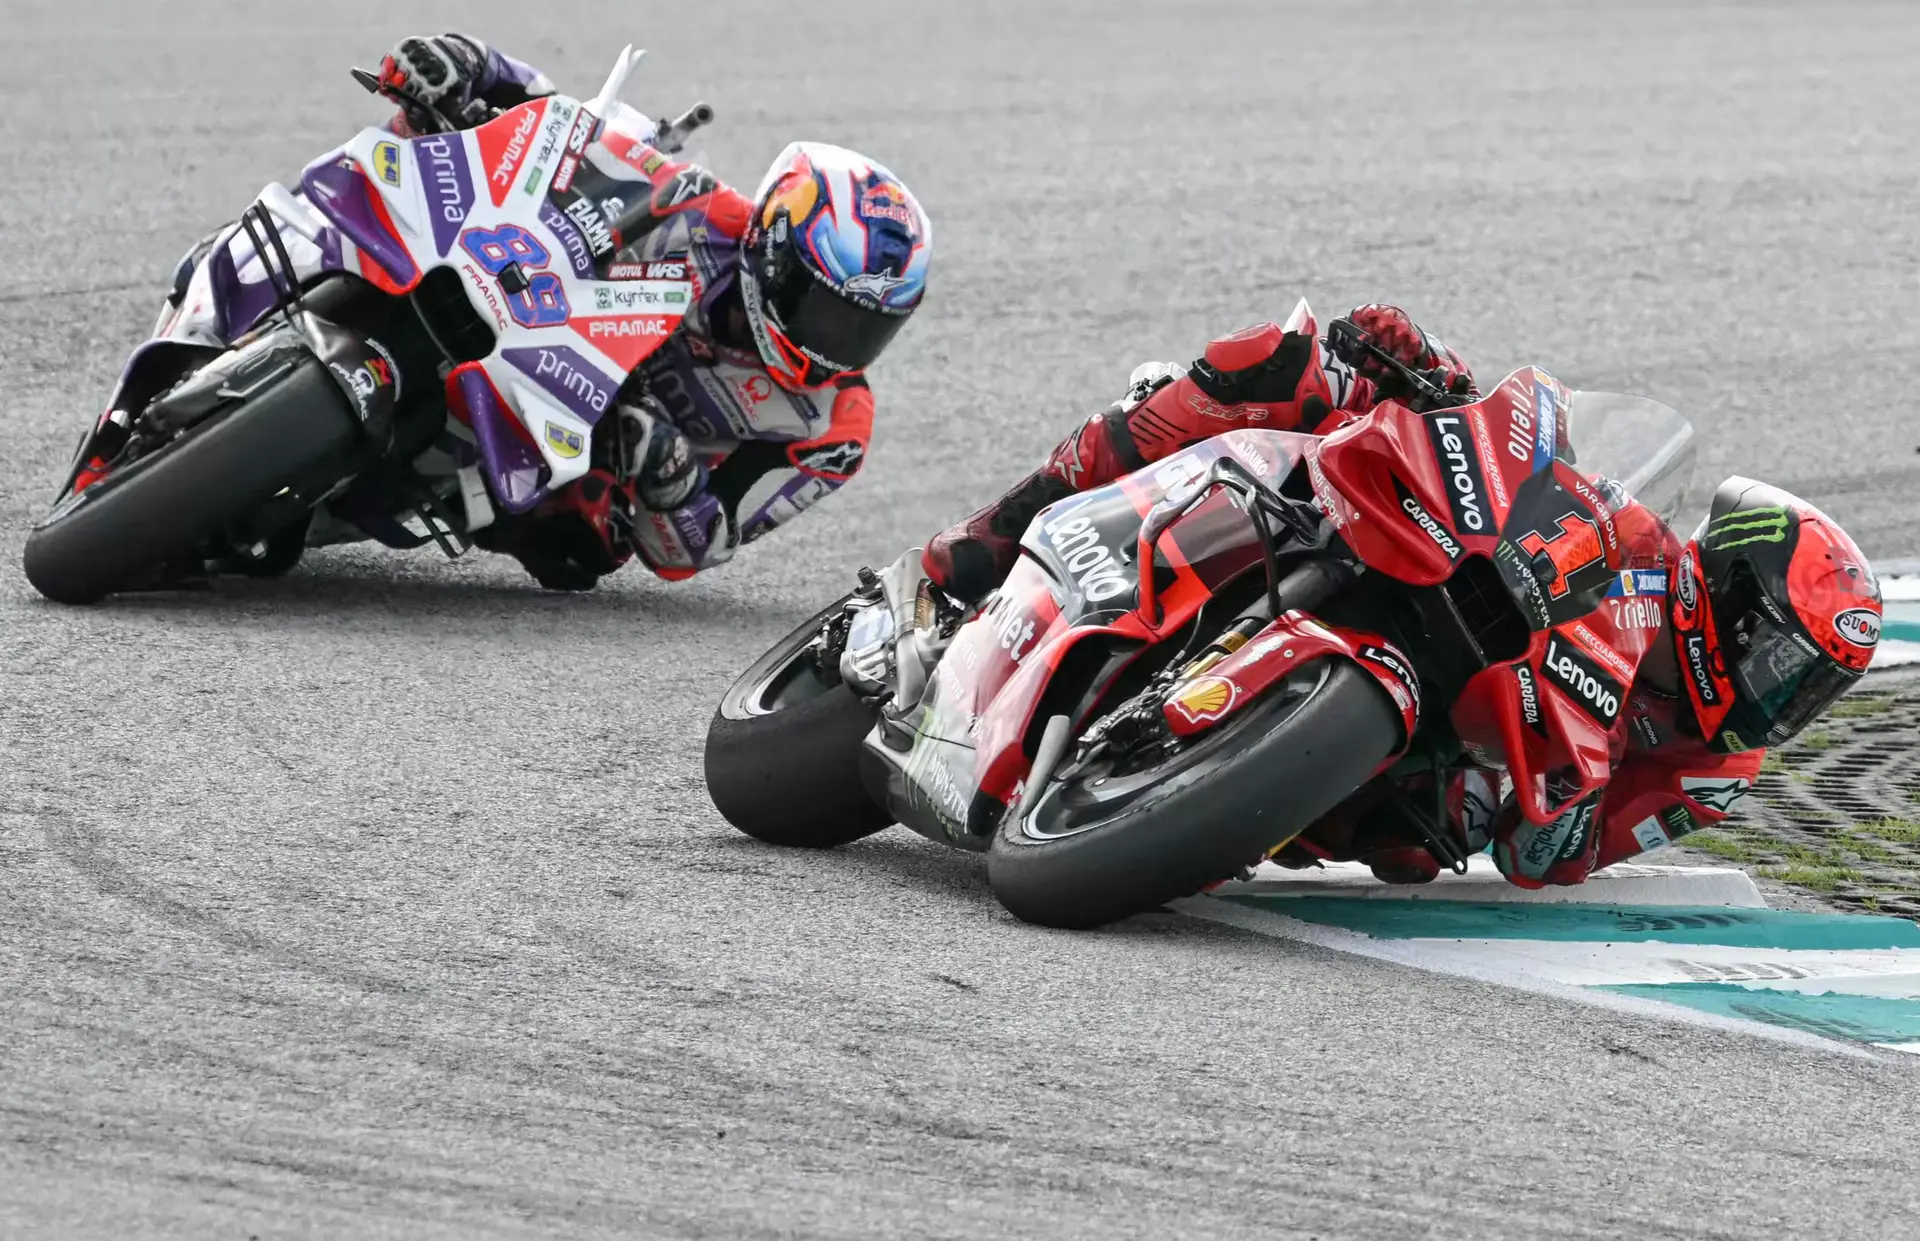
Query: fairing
1570,495
1078,581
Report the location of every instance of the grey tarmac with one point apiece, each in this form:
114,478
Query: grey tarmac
385,900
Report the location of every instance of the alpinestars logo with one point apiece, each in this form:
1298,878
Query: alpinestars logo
1460,467
1590,688
1756,525
838,460
1717,795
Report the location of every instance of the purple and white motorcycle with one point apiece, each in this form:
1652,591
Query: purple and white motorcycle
425,335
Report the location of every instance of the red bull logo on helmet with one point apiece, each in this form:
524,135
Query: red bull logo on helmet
887,200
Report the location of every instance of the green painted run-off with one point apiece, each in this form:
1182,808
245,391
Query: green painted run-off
1676,924
1861,1018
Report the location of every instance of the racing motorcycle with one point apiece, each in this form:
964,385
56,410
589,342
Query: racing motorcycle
428,334
1189,667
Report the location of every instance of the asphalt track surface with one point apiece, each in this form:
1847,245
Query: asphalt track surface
385,900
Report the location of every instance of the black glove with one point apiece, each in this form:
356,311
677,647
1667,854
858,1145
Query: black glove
573,538
659,458
431,73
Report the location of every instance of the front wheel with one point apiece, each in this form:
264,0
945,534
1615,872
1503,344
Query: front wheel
161,509
1109,841
783,751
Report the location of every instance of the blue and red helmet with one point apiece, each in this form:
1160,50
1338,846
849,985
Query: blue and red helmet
835,261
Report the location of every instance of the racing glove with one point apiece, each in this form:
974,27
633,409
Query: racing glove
1394,330
574,537
658,458
431,72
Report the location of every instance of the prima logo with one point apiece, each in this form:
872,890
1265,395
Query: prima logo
566,376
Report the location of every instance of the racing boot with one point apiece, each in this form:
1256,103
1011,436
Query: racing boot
971,558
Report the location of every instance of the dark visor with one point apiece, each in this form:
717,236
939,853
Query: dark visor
1790,686
826,326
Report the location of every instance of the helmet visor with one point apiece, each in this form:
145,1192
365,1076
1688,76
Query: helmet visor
1784,685
829,329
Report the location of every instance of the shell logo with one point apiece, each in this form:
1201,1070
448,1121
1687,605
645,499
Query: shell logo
1205,700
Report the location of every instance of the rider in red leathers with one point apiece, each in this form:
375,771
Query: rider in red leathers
1772,615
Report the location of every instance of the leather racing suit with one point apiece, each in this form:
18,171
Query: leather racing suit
1665,783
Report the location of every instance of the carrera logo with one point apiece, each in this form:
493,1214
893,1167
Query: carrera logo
1860,626
1696,647
1206,700
1529,698
1425,520
1460,468
1590,688
1095,570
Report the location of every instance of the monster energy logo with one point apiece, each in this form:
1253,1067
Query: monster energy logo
1755,525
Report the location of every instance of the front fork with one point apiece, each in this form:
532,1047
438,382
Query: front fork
899,627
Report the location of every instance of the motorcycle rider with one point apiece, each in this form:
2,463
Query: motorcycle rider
758,406
1772,615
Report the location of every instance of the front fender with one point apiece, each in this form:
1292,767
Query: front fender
1284,645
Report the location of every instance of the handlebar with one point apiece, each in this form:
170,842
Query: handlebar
1349,342
672,136
415,108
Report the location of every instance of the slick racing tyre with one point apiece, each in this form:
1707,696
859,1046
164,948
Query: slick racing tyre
783,751
160,510
1111,841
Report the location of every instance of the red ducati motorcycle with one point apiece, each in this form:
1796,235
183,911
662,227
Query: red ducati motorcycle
1189,667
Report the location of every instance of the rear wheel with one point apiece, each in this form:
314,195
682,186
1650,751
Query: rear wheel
1116,839
163,508
783,751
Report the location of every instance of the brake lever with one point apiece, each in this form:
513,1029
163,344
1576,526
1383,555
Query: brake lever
413,107
1351,344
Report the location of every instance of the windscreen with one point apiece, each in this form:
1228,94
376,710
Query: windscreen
1643,446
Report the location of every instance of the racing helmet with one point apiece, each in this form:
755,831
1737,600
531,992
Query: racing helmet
1775,615
834,261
